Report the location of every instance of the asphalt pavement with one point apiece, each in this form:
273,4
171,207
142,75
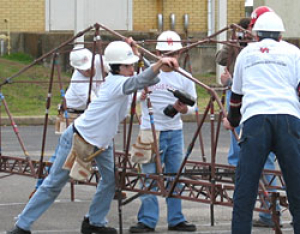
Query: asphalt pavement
65,216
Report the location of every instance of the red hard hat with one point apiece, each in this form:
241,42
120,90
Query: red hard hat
258,12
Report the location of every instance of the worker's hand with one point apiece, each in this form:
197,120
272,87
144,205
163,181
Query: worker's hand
226,124
180,107
132,43
143,95
165,61
169,61
226,77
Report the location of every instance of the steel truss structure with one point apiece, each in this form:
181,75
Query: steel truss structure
198,181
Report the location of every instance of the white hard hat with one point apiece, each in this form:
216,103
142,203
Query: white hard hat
81,59
166,41
270,22
119,52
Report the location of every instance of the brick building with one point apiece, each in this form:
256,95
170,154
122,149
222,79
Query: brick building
33,15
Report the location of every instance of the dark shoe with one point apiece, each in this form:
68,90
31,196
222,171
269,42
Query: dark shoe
140,228
87,228
260,223
17,230
123,195
183,226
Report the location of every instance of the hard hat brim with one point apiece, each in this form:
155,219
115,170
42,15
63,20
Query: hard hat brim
133,59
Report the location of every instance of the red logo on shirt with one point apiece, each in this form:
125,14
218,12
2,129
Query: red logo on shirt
263,50
170,41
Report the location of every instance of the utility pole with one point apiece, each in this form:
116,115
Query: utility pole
221,23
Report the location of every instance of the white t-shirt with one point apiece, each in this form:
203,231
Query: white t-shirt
267,74
77,93
160,98
99,123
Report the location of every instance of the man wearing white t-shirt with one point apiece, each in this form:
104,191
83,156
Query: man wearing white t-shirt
265,102
78,91
170,140
97,127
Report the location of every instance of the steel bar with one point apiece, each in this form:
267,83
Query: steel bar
79,34
48,104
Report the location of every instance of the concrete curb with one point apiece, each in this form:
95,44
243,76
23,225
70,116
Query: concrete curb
28,120
39,120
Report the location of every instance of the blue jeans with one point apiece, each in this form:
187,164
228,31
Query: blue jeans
233,158
262,134
171,143
51,159
58,177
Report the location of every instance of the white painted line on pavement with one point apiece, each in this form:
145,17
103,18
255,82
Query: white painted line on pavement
56,201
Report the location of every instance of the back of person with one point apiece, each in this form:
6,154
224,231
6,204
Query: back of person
279,76
77,93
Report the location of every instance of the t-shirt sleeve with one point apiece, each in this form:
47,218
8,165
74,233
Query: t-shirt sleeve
143,79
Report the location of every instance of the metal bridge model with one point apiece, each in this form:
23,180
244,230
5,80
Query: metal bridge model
198,181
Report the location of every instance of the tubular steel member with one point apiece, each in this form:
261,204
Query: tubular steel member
48,104
197,188
96,46
180,70
62,93
79,34
121,182
213,162
215,96
16,131
187,64
275,214
157,154
188,152
123,163
200,135
219,120
98,40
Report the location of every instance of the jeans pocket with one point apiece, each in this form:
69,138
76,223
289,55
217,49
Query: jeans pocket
252,127
293,126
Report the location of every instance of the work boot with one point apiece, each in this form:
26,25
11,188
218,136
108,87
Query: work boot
17,230
140,228
87,228
183,227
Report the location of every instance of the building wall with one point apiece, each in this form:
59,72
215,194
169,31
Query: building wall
22,15
235,10
145,13
29,15
288,12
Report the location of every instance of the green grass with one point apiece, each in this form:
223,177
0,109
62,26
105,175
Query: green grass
27,94
19,57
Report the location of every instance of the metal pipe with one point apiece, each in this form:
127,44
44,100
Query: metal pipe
209,23
172,21
160,22
2,46
79,34
186,22
8,36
